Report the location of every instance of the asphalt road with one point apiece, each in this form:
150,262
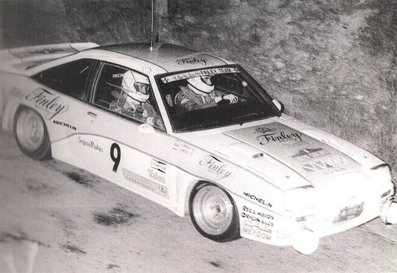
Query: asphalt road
58,218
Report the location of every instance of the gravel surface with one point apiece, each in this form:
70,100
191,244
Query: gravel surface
58,218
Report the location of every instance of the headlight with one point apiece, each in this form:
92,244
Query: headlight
300,199
381,172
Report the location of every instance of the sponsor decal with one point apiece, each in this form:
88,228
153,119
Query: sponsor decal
309,154
256,233
158,165
268,135
257,223
90,144
199,73
183,148
248,210
48,102
328,165
116,76
259,200
157,171
145,183
192,60
215,166
64,124
157,176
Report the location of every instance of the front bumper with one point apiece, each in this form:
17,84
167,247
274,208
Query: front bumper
306,241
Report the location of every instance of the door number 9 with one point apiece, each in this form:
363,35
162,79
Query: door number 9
115,155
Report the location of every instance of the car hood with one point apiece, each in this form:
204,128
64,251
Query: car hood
307,156
282,152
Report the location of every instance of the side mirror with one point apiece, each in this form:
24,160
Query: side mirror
279,105
146,129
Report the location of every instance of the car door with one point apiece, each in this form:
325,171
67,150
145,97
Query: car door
119,145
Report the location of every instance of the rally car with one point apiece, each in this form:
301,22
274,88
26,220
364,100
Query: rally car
228,156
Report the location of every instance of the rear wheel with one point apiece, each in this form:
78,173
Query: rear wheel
214,213
31,134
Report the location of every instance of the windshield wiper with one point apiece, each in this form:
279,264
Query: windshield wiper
249,117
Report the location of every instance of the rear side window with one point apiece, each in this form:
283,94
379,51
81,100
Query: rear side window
70,78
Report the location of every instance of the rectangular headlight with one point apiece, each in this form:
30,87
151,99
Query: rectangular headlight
300,199
381,172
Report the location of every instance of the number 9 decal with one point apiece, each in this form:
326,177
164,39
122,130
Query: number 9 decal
116,157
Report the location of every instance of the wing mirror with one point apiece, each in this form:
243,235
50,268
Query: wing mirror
279,105
146,129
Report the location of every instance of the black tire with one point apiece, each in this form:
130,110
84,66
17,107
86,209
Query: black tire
31,134
213,213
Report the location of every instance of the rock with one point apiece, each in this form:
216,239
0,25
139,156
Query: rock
359,97
296,77
279,65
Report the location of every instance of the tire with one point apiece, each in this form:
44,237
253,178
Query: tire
214,213
31,134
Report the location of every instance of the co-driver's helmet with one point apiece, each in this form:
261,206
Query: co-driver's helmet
201,84
136,86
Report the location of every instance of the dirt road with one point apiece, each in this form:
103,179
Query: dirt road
57,218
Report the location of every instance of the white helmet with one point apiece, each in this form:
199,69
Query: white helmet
201,84
131,84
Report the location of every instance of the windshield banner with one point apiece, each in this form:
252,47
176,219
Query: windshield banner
199,73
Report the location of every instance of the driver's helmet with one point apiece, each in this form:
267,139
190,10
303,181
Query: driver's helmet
201,84
136,86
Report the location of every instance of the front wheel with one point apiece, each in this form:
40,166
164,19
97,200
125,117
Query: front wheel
214,213
31,134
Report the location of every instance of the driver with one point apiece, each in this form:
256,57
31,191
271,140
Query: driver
199,93
137,105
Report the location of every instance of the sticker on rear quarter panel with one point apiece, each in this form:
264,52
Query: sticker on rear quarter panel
48,102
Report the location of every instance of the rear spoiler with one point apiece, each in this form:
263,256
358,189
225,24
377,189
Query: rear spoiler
22,58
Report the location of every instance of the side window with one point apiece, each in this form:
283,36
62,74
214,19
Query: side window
70,78
108,90
128,93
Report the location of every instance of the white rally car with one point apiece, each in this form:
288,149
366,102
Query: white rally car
228,156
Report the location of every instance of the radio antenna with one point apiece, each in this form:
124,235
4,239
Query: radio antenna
152,28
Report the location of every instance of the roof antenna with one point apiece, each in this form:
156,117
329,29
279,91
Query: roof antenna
152,28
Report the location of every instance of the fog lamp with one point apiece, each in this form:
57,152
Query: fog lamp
381,172
306,241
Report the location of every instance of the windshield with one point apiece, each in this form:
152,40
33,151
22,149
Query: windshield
213,97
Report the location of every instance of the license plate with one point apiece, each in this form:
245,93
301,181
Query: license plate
348,213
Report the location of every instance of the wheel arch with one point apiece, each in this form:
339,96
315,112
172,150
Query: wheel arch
233,231
43,151
9,113
182,206
198,182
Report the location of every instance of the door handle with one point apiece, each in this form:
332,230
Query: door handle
91,114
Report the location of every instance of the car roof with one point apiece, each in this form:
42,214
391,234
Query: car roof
169,57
